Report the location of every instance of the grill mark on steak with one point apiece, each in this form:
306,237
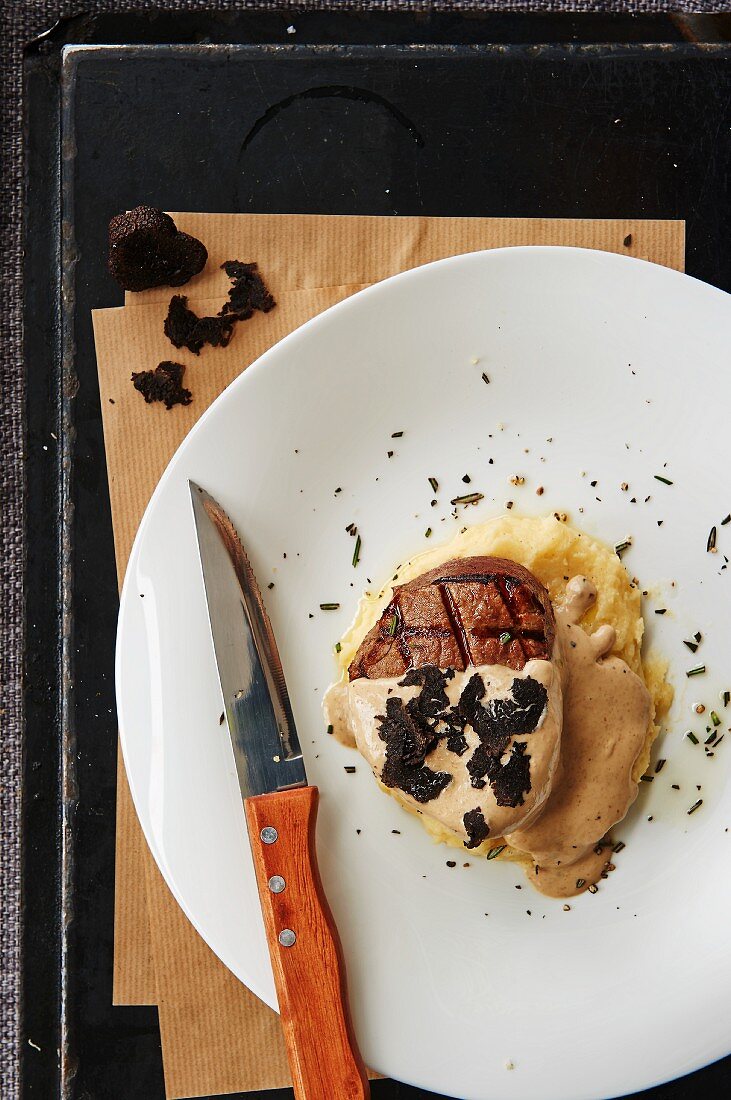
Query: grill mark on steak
469,578
453,617
506,593
460,635
399,633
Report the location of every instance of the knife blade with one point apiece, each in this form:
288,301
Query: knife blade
256,702
281,813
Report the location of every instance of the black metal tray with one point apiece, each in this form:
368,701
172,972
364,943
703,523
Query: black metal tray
441,115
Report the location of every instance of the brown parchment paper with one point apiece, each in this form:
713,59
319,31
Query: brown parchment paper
216,1036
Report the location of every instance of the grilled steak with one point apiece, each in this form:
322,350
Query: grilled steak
470,611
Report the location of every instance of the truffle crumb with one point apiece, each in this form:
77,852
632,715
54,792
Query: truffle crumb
248,291
165,383
185,329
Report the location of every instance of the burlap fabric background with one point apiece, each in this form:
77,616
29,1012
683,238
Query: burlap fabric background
22,20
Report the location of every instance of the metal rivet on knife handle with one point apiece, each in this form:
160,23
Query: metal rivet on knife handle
276,884
287,937
269,835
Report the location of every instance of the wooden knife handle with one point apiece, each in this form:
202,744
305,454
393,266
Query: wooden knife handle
305,950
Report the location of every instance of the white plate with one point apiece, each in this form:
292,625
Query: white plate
624,367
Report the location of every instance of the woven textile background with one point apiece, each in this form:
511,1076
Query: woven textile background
22,20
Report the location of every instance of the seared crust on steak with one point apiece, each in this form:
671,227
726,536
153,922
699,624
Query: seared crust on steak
469,611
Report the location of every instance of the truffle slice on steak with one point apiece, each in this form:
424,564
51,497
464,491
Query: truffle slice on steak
469,611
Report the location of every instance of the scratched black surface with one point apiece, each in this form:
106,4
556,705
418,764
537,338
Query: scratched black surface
598,132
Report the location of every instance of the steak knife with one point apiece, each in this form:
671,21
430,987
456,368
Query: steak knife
281,812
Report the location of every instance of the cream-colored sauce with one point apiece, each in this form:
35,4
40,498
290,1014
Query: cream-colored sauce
607,709
336,707
353,708
560,881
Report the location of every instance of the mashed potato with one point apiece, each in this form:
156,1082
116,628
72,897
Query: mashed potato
554,552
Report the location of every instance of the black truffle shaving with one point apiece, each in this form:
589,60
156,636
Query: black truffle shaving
248,292
423,784
501,719
147,249
532,698
185,329
492,736
476,827
511,781
495,724
457,742
432,699
407,742
432,704
416,735
477,766
411,731
165,383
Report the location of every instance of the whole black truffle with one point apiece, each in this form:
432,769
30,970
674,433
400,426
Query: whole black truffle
147,249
